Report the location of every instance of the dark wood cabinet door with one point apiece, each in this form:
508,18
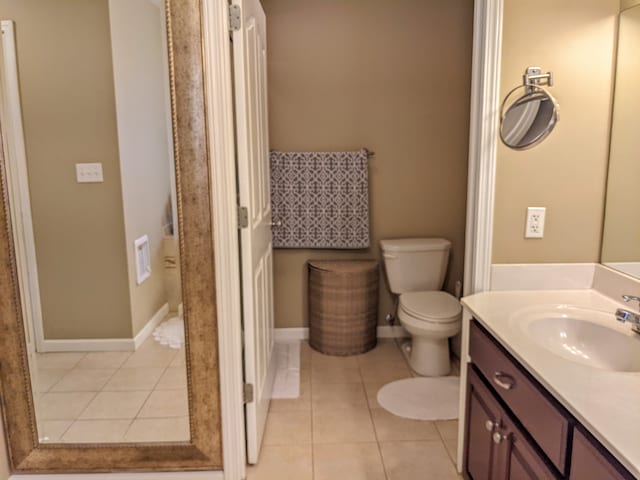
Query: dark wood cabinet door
521,461
590,461
496,449
482,416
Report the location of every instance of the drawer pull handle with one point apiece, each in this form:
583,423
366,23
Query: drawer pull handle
489,425
503,380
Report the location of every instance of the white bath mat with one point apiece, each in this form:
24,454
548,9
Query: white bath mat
170,332
422,398
287,382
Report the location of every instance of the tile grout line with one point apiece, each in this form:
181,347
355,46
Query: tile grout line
444,444
313,444
373,423
66,430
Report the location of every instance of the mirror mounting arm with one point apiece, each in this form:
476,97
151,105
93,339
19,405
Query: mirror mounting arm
533,77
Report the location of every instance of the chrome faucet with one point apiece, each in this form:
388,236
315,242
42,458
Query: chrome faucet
623,315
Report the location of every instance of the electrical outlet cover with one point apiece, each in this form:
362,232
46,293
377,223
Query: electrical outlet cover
534,225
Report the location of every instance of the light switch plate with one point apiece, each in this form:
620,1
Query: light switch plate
89,172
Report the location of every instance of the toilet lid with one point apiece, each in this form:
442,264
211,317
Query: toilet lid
431,306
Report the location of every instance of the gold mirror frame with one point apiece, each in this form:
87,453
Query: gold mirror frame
204,450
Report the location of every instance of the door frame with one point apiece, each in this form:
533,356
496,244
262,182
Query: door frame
18,183
222,151
483,144
483,148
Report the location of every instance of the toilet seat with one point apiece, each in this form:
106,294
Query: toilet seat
432,306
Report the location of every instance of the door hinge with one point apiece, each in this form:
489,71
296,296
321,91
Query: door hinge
243,217
235,17
247,393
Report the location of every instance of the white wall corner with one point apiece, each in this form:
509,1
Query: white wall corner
542,276
483,147
483,143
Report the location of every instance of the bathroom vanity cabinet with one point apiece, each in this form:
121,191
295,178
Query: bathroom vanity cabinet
516,430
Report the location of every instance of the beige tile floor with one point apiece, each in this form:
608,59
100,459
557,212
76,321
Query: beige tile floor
113,396
337,430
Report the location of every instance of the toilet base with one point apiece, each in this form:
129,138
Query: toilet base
429,357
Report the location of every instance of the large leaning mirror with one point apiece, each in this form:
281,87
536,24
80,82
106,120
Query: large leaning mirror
621,233
109,347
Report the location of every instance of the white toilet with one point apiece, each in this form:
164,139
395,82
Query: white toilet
416,268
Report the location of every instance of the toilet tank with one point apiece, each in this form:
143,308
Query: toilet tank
415,264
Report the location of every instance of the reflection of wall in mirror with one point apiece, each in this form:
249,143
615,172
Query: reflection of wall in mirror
83,232
142,106
66,82
567,172
621,236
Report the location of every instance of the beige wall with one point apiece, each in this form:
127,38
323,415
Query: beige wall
628,3
347,75
145,161
574,39
64,60
621,228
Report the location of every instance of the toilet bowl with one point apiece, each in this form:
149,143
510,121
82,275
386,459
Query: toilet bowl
430,317
415,269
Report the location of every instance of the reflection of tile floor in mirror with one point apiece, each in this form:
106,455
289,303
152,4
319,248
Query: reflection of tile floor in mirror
337,430
113,396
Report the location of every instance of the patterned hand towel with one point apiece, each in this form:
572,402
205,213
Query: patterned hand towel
321,199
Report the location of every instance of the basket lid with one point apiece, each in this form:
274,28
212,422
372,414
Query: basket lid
415,244
344,266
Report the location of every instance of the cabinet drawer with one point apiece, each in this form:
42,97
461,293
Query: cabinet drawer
589,461
544,421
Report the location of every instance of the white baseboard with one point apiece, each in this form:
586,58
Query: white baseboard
302,333
211,475
291,334
88,345
107,344
153,322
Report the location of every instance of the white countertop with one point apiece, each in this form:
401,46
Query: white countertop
607,403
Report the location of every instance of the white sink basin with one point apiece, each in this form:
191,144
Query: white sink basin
589,337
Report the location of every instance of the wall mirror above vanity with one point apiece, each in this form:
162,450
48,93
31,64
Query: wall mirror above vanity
107,312
621,232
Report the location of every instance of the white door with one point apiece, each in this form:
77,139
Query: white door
250,70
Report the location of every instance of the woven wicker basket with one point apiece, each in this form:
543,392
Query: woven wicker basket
343,306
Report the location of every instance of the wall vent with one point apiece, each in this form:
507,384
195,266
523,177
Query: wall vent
143,259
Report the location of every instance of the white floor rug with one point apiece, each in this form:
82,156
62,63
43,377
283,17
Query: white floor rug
287,382
422,398
170,332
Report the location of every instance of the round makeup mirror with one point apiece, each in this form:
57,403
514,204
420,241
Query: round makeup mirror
528,118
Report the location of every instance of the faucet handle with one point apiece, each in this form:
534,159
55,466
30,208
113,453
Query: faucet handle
631,298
